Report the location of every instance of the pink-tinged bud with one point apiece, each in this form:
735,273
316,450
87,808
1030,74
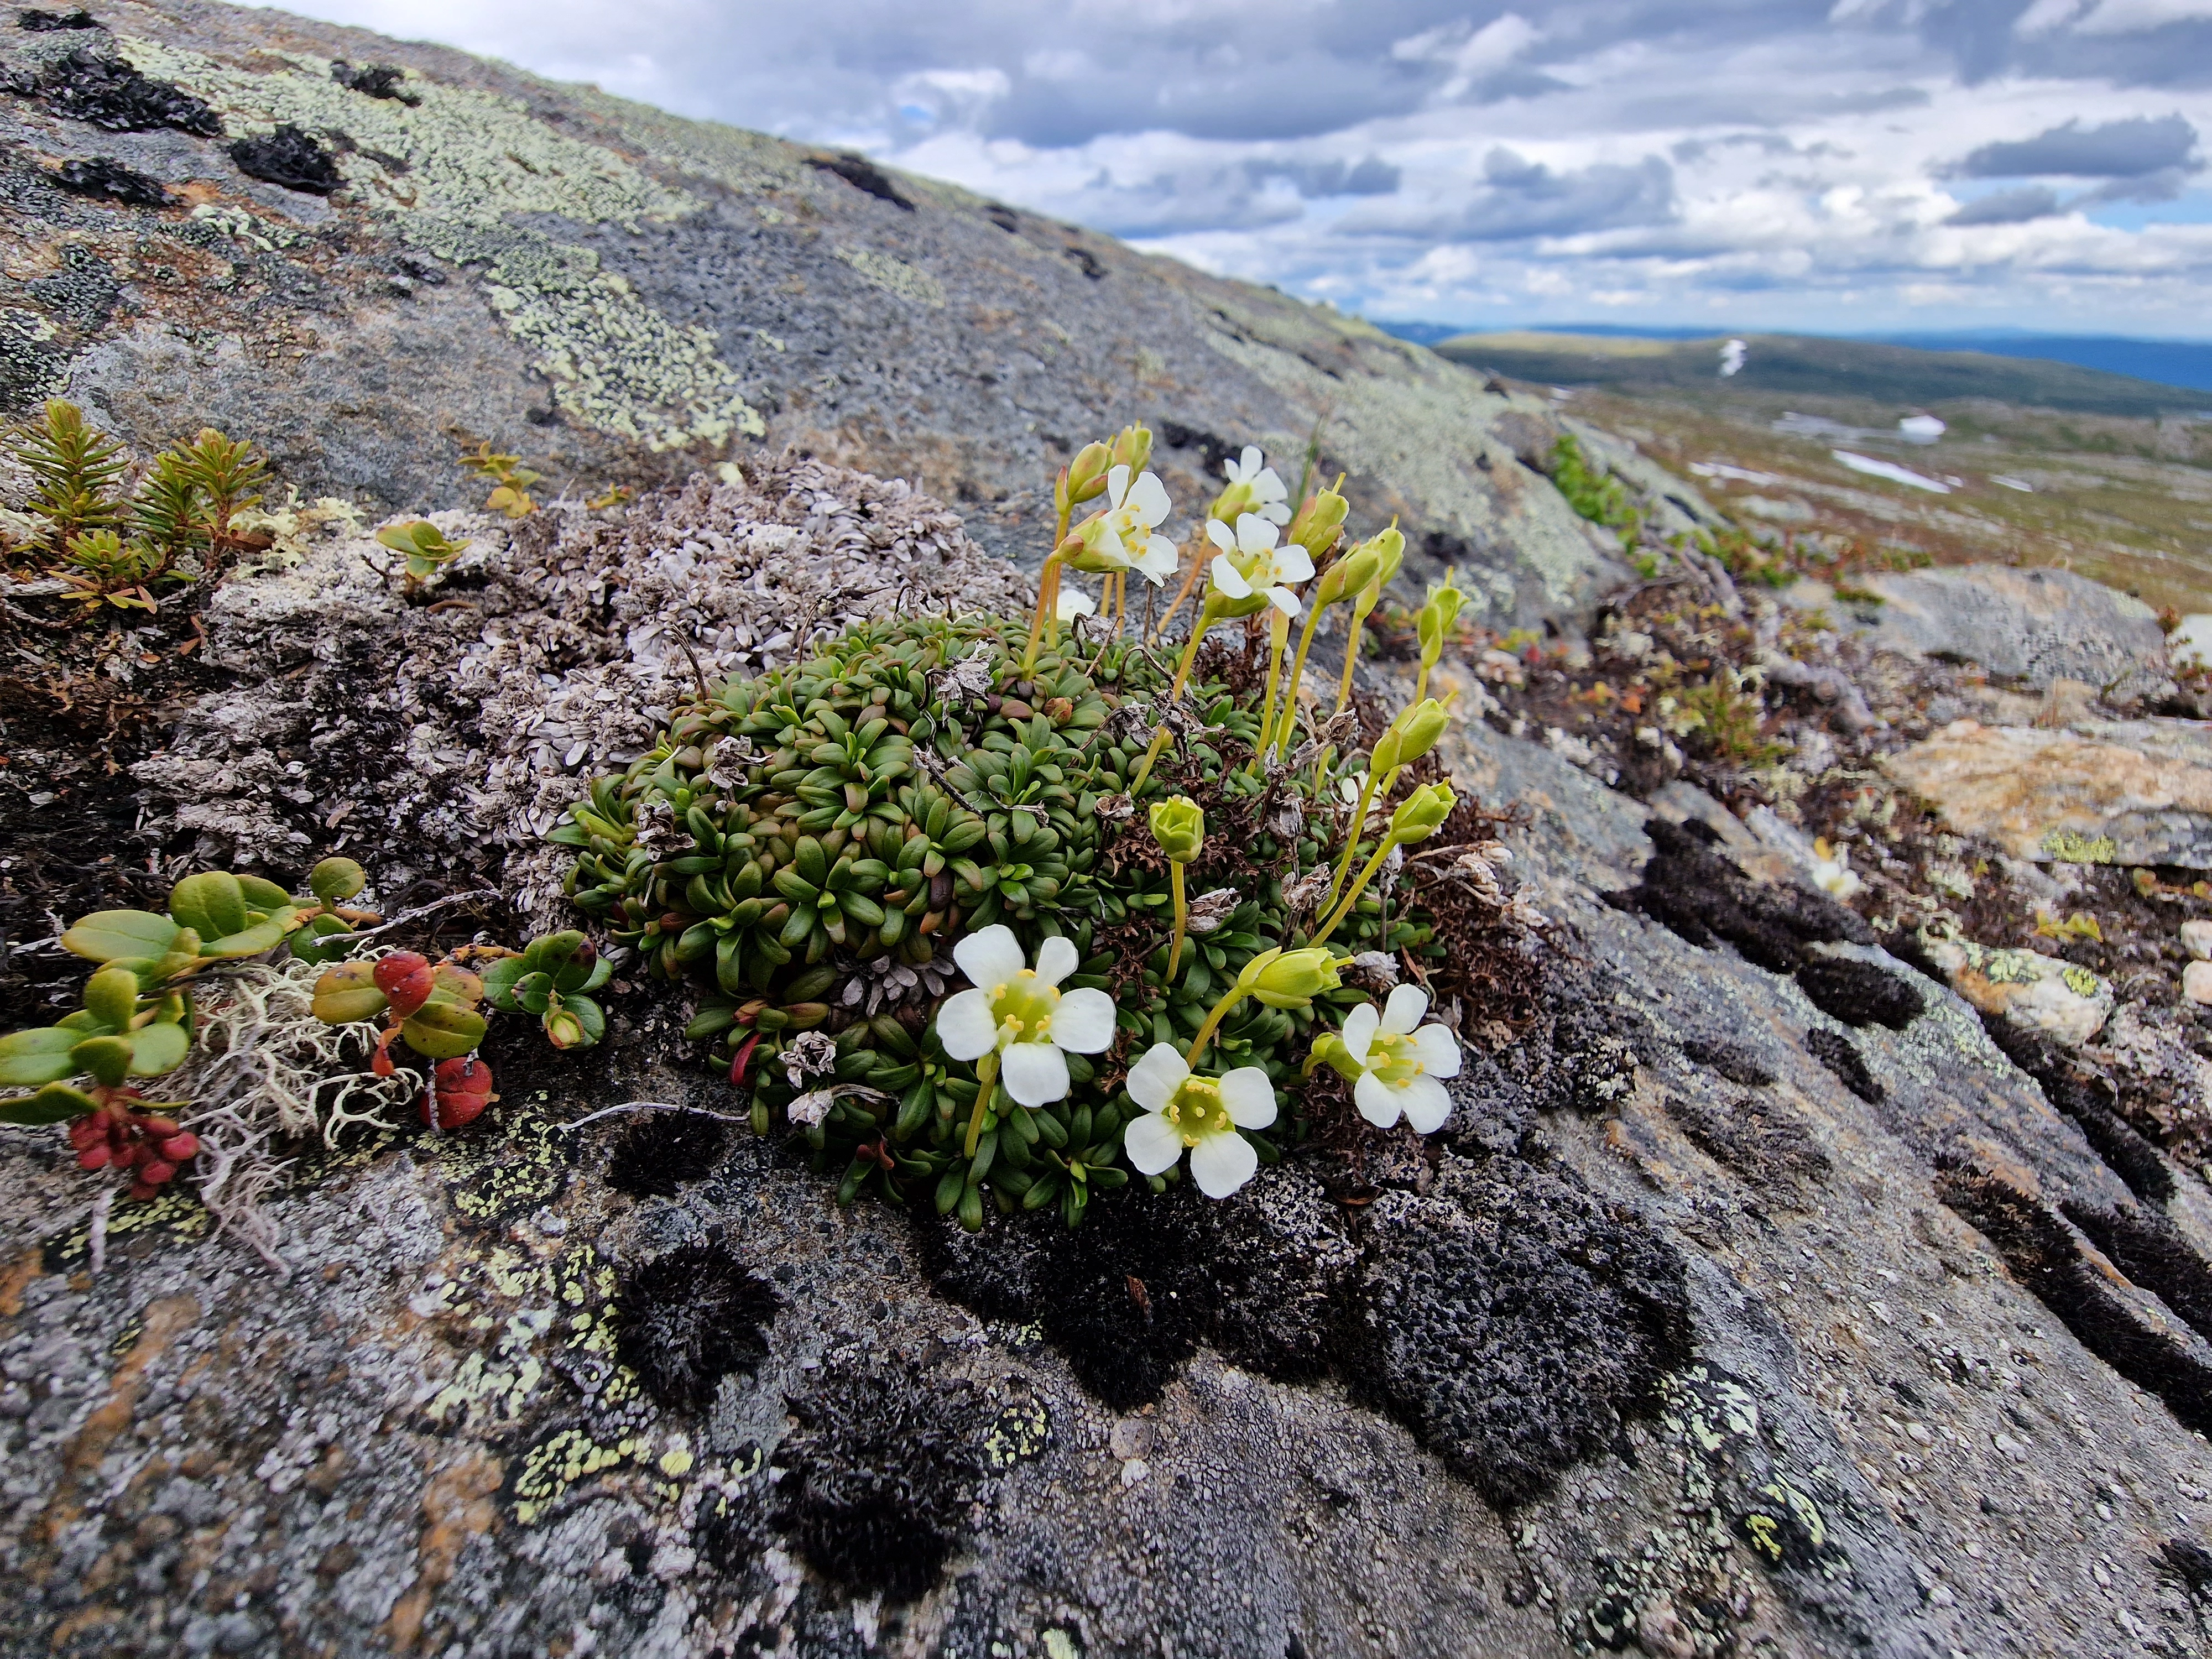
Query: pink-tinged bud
180,1148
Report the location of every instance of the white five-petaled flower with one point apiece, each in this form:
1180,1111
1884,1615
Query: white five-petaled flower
1201,1113
1257,490
1022,1012
1399,1062
1126,535
1250,563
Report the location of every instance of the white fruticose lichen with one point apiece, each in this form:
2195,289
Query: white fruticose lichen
449,171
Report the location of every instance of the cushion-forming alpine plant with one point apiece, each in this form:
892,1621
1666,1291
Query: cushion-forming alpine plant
926,886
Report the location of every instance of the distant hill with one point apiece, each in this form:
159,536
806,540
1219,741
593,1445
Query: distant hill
2167,362
1807,365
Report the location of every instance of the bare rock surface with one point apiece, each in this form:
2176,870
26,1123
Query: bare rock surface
2032,626
616,294
2113,791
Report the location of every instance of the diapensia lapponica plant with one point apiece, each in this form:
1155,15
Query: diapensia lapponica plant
929,887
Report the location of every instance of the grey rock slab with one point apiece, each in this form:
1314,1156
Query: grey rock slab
2032,626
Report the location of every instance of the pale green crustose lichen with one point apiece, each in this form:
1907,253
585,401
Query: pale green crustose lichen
449,171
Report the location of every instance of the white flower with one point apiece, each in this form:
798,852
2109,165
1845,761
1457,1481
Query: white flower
1125,536
1254,489
1831,870
1201,1113
1022,1012
1074,602
1250,563
1398,1066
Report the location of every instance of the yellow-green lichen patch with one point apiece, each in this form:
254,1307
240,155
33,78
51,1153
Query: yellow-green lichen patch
492,1179
894,275
562,1461
180,1215
448,173
2072,846
1020,1432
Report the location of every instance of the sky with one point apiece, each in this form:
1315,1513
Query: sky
1833,165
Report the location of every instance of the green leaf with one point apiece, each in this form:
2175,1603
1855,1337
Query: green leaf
211,904
443,1030
39,1055
111,996
500,979
588,1015
55,1104
111,935
157,1049
267,895
252,941
341,878
533,992
107,1058
347,992
710,1022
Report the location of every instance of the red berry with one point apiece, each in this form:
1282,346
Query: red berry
94,1157
84,1133
158,1127
156,1173
139,1189
178,1148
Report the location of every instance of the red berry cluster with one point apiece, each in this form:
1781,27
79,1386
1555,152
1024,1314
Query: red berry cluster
462,1089
119,1136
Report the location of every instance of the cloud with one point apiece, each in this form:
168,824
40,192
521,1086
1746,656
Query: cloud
2008,207
1517,198
2118,150
1369,176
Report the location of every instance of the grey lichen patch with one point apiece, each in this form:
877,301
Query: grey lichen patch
449,171
895,276
495,1181
179,1215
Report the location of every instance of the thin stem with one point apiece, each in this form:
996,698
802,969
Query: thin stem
1048,593
986,1082
1297,678
1205,618
1234,995
1360,607
1190,581
1421,682
1337,916
1279,633
1352,843
1182,916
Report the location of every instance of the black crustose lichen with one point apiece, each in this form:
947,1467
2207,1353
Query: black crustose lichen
690,1318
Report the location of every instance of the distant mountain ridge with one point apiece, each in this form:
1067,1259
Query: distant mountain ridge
2179,364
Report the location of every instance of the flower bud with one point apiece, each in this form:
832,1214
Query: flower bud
1133,448
1349,575
1289,979
1179,826
1320,522
1087,473
1437,617
1390,553
1420,812
1418,729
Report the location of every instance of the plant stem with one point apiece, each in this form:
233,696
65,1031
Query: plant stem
1360,607
1190,581
1351,843
1230,999
986,1082
1297,678
1205,618
1337,916
1048,593
1279,633
1420,684
1182,916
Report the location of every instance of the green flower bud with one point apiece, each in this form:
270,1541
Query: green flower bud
1087,473
1409,736
1133,448
1350,574
1289,979
1320,522
1437,617
1390,549
1420,812
1179,826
